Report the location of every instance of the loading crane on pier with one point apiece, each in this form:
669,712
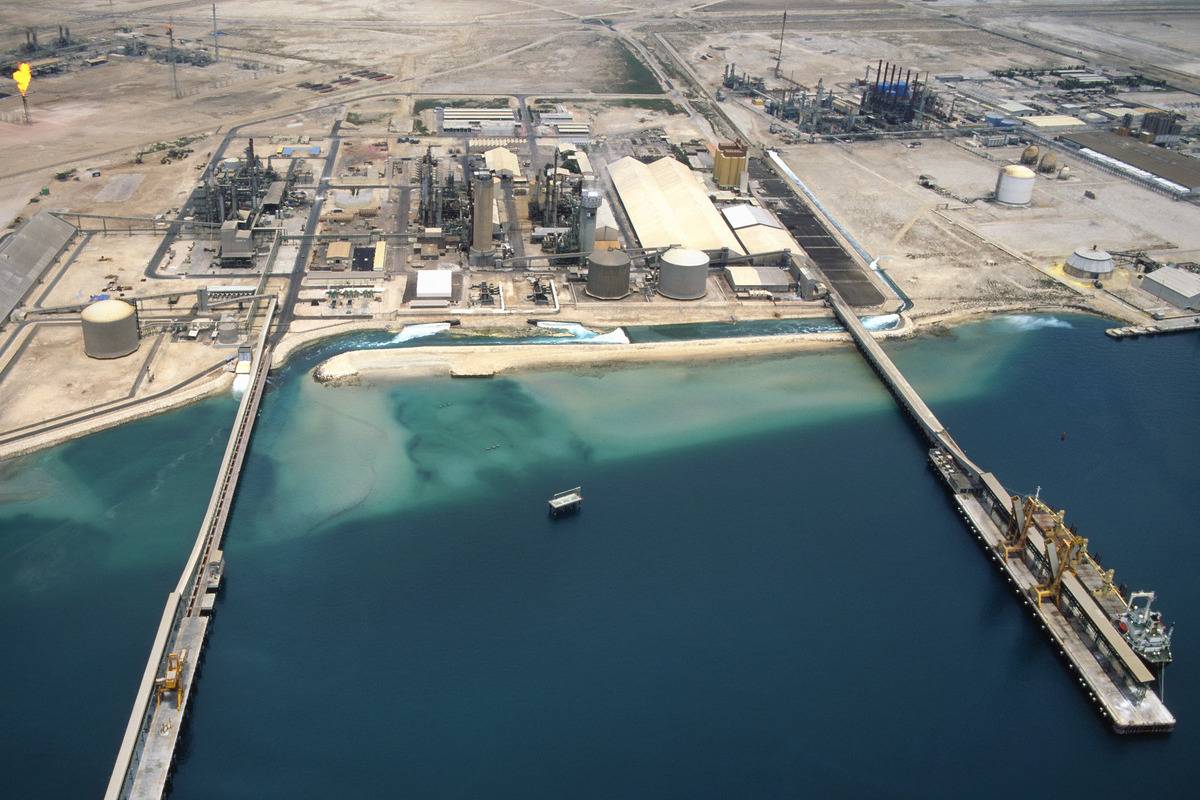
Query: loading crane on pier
1065,553
1065,550
173,680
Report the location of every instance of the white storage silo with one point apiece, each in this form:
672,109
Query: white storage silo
683,274
1014,185
110,329
1089,264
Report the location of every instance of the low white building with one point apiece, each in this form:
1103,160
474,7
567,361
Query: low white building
1177,286
435,284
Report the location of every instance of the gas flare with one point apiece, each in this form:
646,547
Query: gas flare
22,76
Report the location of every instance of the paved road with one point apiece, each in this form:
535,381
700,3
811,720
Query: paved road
287,308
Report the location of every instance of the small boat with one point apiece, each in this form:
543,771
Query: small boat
493,447
566,502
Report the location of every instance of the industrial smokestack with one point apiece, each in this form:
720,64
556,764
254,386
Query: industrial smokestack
481,216
589,204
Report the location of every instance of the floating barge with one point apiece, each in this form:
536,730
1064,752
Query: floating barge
566,502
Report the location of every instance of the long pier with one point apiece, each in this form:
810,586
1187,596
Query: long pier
147,753
1078,624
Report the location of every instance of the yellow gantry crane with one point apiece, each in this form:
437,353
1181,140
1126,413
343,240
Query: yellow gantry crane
1065,550
173,680
1018,526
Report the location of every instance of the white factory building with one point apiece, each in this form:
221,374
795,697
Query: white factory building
483,121
1177,286
667,204
758,230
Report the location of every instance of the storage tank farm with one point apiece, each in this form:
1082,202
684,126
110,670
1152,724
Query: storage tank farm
1014,185
608,274
110,329
683,274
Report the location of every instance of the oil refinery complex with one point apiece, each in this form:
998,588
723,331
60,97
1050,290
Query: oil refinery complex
730,162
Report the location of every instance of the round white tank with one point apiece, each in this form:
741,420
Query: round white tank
1014,186
683,274
1089,264
110,329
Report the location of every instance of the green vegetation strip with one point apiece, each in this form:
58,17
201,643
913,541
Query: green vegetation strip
459,102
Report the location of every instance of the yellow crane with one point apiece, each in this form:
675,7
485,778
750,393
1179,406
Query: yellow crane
1018,526
1065,550
173,680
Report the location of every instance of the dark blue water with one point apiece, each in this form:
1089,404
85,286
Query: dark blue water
785,607
94,535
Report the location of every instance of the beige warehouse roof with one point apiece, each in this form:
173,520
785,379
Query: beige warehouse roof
1053,121
667,204
767,239
501,161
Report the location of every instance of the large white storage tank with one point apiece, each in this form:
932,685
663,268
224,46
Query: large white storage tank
1014,186
110,329
683,274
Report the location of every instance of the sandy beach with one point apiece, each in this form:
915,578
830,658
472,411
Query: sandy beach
360,366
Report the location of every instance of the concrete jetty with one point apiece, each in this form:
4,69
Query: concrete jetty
147,753
1113,675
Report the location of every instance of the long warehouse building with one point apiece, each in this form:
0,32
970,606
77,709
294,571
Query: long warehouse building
667,205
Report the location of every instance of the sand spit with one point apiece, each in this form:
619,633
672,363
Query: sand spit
358,366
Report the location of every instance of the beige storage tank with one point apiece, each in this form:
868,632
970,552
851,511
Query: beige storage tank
110,329
1049,163
1030,154
608,274
1014,186
683,274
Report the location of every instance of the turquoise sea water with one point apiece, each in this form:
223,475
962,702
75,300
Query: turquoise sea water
767,593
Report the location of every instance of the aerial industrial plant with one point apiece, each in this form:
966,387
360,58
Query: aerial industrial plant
194,193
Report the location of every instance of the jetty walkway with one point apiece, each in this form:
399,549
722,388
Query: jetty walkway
147,753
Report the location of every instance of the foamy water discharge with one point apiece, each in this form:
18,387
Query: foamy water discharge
1032,322
410,332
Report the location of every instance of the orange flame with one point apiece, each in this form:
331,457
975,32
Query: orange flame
22,76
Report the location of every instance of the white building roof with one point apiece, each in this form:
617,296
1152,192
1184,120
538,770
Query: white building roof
1013,107
1053,121
1177,280
740,216
434,284
666,204
757,277
604,215
766,239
